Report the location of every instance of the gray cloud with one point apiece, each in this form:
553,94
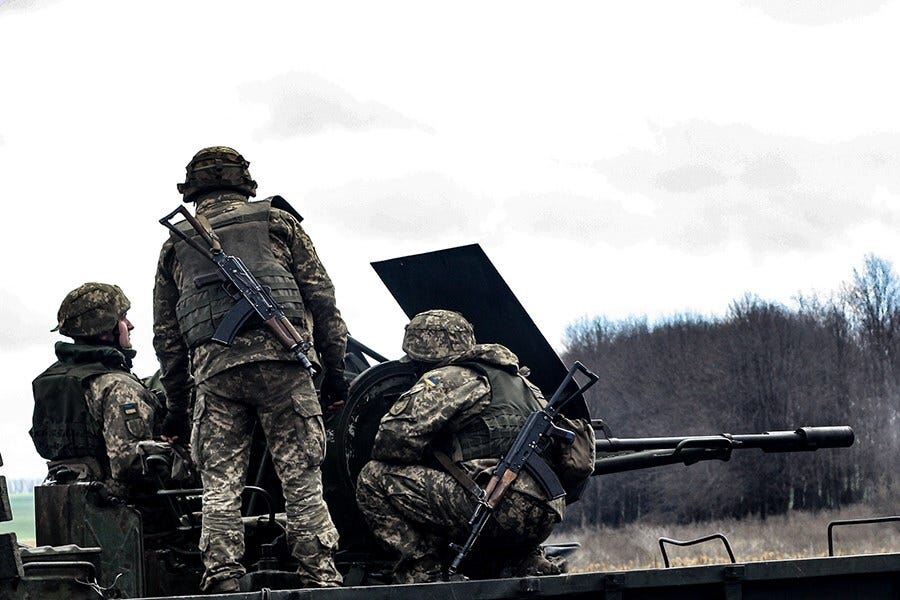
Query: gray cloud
702,188
24,5
420,206
769,172
302,104
710,185
689,178
820,12
572,217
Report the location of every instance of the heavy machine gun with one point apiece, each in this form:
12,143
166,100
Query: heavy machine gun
628,454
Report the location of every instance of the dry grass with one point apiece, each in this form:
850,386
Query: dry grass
793,535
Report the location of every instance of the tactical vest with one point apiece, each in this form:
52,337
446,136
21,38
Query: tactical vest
203,300
491,433
62,426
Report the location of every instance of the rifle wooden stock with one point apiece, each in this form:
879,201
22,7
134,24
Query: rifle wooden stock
284,330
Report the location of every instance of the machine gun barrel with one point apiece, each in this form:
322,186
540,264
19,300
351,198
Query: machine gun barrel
642,453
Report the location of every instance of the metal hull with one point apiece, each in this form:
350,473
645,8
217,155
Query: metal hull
863,577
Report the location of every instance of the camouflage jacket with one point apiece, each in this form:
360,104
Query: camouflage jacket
123,408
439,404
181,367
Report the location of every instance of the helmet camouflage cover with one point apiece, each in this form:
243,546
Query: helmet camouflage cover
435,335
91,309
216,168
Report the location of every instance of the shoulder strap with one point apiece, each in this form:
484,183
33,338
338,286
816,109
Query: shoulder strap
280,203
458,474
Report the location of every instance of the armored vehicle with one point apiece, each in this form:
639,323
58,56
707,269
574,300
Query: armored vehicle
92,545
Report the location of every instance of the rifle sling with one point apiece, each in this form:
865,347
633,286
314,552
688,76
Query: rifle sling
458,474
536,466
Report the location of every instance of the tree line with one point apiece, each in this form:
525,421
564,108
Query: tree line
832,360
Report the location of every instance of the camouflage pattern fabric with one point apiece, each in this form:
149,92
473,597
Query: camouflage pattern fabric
126,412
216,167
416,510
435,335
295,251
255,375
91,309
282,397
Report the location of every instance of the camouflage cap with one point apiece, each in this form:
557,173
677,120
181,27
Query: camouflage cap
216,168
435,335
91,309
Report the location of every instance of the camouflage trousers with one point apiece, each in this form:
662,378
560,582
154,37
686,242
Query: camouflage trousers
283,400
417,511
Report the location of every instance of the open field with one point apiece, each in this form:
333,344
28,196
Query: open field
793,535
23,518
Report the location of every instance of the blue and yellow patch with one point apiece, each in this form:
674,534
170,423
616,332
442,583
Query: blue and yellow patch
130,409
432,380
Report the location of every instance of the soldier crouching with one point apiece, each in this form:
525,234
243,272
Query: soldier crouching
469,404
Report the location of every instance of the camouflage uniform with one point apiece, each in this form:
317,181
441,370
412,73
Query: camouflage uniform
412,505
254,378
107,443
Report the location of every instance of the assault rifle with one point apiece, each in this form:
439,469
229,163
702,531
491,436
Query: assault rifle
251,297
642,453
523,455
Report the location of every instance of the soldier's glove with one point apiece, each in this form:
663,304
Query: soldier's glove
334,390
177,427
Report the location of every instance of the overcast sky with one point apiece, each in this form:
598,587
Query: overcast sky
628,158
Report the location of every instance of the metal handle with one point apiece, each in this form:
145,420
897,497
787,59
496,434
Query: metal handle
700,540
834,524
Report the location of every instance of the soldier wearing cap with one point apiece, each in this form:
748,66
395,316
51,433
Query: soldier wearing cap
469,404
93,419
254,379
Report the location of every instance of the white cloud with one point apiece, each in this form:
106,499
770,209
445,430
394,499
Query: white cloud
611,158
821,12
305,104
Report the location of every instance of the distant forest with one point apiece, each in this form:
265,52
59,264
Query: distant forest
831,360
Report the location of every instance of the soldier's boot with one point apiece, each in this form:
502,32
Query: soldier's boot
534,564
223,586
424,569
315,558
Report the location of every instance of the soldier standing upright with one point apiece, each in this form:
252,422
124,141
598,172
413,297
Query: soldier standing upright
469,404
254,378
93,419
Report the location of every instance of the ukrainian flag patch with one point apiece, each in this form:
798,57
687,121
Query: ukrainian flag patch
432,381
130,409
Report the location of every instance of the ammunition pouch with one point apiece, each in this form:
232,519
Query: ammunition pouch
574,462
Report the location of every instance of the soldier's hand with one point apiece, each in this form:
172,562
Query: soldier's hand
334,390
176,427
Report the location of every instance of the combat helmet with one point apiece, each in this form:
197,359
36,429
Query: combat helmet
435,335
216,168
91,309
